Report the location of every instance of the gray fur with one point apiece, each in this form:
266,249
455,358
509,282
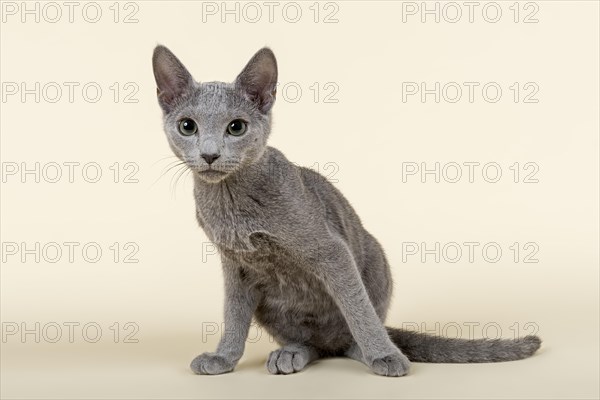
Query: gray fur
295,255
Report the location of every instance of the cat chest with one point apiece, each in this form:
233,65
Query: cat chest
281,282
270,265
229,228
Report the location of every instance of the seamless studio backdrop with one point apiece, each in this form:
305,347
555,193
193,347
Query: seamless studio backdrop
467,145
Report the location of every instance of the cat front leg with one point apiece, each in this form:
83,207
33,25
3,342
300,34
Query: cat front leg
240,304
336,267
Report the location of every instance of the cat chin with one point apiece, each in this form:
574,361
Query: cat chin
212,176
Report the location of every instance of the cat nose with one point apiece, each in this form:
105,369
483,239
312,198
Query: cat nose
210,158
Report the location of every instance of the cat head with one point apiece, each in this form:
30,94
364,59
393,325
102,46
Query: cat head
216,128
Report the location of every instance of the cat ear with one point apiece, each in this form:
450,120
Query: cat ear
173,81
258,80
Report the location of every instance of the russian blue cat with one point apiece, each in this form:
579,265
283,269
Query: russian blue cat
295,255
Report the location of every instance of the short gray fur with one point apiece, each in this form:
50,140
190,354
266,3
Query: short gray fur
295,255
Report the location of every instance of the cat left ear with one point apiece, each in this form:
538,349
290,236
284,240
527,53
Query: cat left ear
173,80
258,80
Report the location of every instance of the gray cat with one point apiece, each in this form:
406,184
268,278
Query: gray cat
295,255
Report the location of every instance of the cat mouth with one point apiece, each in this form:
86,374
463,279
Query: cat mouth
211,172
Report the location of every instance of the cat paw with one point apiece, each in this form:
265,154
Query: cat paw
288,360
396,364
211,364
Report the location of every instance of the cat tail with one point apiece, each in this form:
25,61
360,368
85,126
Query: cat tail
421,347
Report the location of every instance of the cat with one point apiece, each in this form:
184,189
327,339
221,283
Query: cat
294,254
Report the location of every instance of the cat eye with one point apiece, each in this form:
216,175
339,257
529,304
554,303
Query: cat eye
187,127
237,127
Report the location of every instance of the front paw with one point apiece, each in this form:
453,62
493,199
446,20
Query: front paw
395,364
211,364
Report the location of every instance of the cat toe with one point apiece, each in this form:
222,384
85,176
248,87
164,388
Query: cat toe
285,362
211,364
392,365
299,361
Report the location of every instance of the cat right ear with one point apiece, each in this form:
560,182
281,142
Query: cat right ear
258,80
173,81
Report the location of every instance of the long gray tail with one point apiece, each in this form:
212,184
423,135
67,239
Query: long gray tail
421,347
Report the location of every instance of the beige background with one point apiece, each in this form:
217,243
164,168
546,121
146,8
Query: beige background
171,295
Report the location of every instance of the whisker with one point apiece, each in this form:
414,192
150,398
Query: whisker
162,159
176,177
168,169
188,174
179,167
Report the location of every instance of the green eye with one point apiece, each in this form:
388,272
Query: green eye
237,127
187,127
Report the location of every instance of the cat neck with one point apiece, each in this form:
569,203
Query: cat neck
230,210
